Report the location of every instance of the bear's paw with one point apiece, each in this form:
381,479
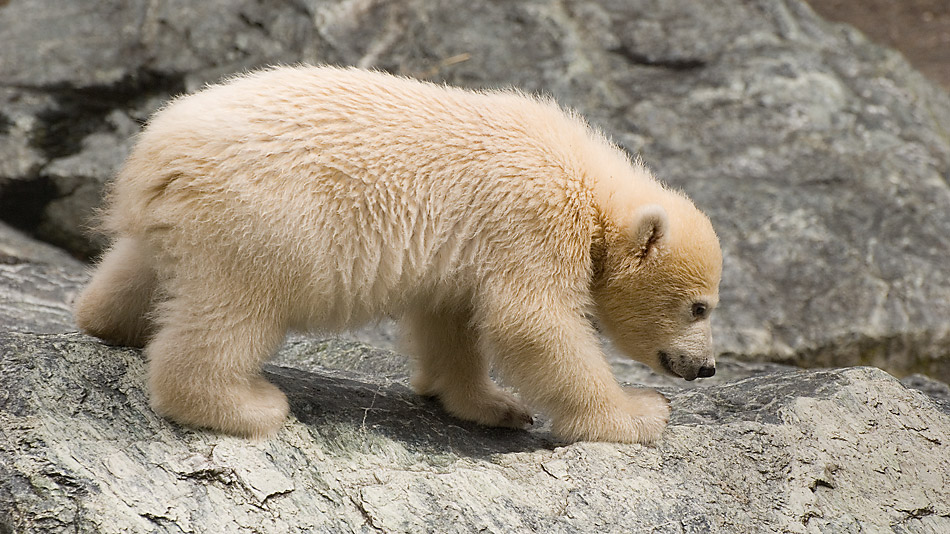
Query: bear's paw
639,416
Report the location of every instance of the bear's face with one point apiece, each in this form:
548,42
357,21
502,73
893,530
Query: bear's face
657,286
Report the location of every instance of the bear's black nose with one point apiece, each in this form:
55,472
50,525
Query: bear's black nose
706,371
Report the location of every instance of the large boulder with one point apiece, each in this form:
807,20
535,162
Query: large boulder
848,450
822,159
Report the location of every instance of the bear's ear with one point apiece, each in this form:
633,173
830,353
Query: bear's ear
647,230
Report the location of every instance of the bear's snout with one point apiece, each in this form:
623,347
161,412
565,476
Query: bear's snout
679,366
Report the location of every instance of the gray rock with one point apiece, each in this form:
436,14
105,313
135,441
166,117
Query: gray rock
37,283
822,159
937,390
795,451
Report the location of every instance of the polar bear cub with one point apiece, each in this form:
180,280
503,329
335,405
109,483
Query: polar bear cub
494,225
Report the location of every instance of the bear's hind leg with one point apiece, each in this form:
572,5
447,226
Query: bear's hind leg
449,366
205,362
115,305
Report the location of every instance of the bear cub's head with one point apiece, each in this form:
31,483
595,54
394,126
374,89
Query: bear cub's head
656,285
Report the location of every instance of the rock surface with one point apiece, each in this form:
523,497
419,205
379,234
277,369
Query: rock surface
37,283
793,451
822,159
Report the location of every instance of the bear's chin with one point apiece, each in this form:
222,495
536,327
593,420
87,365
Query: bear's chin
667,364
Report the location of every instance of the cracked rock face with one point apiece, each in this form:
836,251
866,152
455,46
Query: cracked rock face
792,451
822,160
37,283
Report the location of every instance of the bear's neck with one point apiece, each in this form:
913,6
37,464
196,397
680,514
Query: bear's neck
619,185
598,247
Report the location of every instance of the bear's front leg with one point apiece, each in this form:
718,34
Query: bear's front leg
204,366
550,352
449,366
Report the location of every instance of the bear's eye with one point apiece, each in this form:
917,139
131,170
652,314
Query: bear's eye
699,310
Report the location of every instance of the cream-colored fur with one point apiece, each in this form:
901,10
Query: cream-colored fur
493,224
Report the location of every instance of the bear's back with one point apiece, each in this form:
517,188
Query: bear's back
341,132
364,182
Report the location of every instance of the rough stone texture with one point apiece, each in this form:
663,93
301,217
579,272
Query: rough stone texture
822,159
37,281
793,451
